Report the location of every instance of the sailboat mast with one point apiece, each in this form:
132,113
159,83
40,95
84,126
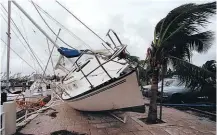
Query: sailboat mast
36,25
8,42
85,26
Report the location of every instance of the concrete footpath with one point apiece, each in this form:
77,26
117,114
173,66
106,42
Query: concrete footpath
70,122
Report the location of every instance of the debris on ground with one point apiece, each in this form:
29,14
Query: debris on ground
65,132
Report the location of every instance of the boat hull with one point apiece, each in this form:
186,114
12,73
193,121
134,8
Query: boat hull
122,93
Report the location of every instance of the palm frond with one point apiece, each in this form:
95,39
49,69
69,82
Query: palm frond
158,27
192,15
210,65
181,45
190,74
178,34
201,42
174,32
163,23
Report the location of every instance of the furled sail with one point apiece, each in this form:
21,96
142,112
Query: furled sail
68,53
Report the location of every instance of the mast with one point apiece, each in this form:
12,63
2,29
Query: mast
39,28
85,26
8,42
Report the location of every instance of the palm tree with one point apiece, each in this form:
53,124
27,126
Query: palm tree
210,65
208,86
175,37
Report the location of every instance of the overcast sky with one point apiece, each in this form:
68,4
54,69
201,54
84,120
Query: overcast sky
133,20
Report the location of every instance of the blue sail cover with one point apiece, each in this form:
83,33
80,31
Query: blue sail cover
69,53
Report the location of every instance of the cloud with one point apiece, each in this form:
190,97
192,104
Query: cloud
133,20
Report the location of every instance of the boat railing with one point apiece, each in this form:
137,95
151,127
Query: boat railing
100,65
116,53
115,34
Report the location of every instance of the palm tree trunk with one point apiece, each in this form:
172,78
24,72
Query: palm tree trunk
152,114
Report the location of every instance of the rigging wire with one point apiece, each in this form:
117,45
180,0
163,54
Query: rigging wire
21,20
84,25
3,66
18,55
34,4
3,53
50,27
22,23
25,40
18,38
51,57
24,28
62,26
22,35
51,54
21,42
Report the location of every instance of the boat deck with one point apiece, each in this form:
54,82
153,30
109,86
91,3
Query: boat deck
65,118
